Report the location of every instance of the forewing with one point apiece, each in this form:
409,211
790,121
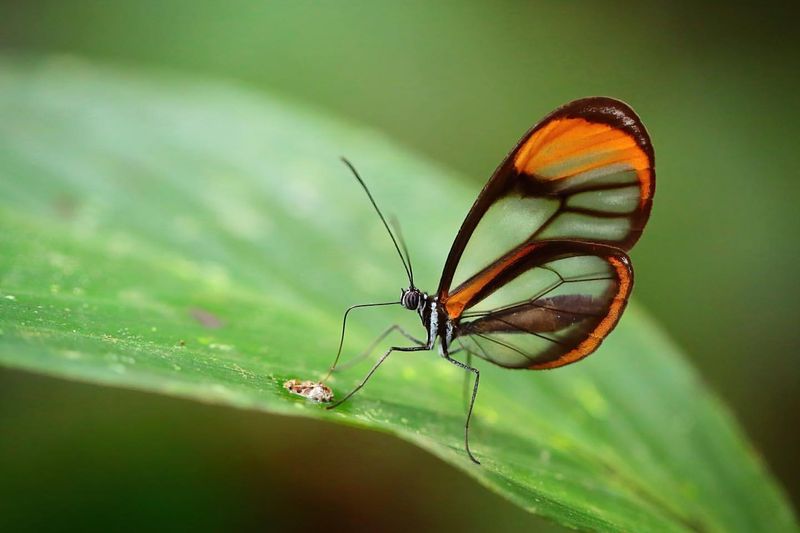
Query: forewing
543,305
585,172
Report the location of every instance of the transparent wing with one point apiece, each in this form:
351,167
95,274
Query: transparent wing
586,172
544,304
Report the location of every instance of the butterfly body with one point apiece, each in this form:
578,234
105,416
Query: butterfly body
538,274
438,325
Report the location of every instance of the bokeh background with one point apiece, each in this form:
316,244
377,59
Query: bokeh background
458,82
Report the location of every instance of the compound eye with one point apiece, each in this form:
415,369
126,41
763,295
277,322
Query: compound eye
410,299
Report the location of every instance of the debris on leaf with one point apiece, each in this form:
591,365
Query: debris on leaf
206,319
313,390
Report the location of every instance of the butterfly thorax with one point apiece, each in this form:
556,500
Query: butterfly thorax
433,316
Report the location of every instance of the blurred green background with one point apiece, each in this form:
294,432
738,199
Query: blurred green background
459,83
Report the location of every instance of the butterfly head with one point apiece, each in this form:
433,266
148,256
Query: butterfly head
411,298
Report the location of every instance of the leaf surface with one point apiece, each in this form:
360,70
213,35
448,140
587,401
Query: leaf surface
197,239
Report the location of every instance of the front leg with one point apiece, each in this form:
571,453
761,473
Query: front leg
344,328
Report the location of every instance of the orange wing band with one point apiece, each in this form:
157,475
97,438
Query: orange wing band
566,147
456,302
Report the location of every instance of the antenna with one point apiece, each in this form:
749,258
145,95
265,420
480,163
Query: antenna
396,226
407,267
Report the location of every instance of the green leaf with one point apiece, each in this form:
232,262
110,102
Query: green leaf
200,240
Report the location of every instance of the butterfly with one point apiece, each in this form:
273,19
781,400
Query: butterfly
538,274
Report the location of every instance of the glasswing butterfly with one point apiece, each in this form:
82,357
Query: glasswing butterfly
538,275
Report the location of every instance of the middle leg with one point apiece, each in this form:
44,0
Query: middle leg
374,368
396,327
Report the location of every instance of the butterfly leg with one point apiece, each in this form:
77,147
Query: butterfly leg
374,368
344,328
470,352
471,403
352,362
465,388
